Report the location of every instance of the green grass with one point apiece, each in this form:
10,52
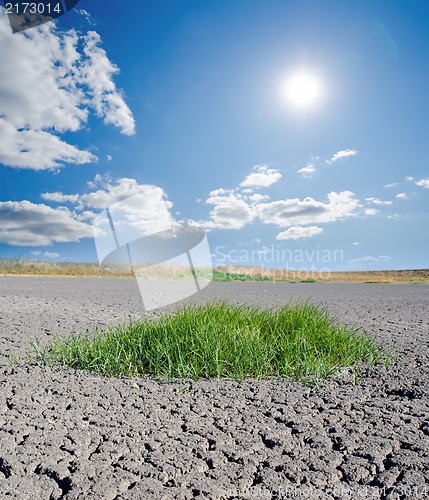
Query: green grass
220,340
377,282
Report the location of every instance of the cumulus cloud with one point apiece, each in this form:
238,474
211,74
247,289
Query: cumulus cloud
87,16
344,153
383,258
37,149
234,208
27,224
363,260
149,213
48,255
256,198
369,260
96,72
60,197
392,184
423,183
298,232
370,211
230,212
262,177
51,255
220,192
50,79
376,201
308,171
402,196
233,211
293,211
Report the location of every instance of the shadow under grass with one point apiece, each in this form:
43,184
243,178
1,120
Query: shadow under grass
220,340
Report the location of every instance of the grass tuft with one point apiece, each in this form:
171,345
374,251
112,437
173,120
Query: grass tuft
221,276
221,340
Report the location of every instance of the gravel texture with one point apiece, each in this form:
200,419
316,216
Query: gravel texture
65,434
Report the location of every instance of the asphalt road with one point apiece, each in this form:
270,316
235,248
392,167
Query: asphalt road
71,435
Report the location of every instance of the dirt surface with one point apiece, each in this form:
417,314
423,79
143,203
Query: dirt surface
71,435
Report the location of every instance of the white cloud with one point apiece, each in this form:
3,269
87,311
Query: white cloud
60,197
293,211
370,211
234,209
402,196
86,215
423,183
363,260
376,201
263,177
344,153
96,72
383,258
393,184
256,198
355,243
87,16
47,87
37,149
143,207
308,171
369,259
220,192
27,224
109,158
48,255
109,192
150,212
51,255
409,178
298,232
380,202
230,212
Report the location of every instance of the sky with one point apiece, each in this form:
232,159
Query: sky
294,133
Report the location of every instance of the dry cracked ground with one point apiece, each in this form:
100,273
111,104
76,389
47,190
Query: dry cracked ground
74,435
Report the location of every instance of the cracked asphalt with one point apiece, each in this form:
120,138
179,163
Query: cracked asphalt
72,435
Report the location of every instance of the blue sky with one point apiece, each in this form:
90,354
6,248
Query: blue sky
185,103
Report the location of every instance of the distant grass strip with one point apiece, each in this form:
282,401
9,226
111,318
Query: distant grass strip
221,340
222,276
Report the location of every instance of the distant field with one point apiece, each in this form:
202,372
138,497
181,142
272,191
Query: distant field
36,267
404,276
221,273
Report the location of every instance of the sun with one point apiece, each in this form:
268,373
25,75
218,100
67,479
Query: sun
303,90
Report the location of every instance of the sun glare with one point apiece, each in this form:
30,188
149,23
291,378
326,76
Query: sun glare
303,90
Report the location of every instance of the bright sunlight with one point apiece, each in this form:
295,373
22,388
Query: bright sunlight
303,90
